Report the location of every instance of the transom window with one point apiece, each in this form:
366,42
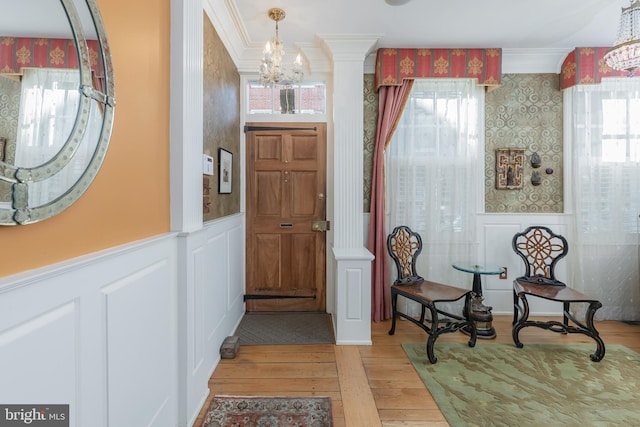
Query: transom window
308,97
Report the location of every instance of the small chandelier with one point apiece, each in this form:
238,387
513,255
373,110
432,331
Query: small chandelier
271,70
625,55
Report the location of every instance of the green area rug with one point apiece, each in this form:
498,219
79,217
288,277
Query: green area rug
538,385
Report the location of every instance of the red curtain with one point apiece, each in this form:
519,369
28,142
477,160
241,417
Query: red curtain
392,100
395,65
19,52
396,70
585,65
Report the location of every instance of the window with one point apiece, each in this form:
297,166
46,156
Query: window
305,98
432,162
607,159
606,193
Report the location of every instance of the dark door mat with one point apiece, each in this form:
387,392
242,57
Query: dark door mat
285,329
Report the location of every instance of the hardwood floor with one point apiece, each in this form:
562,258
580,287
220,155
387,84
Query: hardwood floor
371,385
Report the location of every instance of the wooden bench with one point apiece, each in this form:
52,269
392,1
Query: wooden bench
541,249
404,246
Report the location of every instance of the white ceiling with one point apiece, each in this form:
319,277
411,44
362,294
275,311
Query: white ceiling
555,26
441,23
547,28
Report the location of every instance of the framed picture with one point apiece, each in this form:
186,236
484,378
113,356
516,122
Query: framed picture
225,168
509,168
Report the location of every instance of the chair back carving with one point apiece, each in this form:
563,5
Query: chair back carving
404,246
540,249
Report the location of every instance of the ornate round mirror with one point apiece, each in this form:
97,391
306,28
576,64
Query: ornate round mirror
57,104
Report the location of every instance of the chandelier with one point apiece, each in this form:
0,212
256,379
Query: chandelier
625,55
271,70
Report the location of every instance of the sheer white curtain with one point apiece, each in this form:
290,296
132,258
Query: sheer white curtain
434,170
48,109
604,125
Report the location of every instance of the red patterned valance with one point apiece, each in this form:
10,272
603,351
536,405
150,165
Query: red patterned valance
394,65
585,65
19,52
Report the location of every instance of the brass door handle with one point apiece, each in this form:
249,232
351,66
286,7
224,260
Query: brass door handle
320,225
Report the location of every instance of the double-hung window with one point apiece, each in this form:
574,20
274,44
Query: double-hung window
433,170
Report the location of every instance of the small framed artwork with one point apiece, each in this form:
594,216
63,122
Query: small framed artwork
225,168
509,168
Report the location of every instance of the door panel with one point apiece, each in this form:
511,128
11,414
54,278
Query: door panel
286,180
269,193
304,200
267,261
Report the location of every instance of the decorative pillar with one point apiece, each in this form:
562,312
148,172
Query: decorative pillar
186,115
186,185
352,261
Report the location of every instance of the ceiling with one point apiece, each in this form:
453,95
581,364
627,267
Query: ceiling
515,25
441,23
519,27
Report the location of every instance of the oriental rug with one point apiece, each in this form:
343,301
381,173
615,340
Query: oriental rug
537,385
264,411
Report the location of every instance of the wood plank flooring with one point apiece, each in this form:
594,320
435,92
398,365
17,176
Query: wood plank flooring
371,385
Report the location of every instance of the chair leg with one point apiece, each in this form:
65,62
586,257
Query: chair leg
593,333
394,302
521,322
515,308
565,318
473,333
431,341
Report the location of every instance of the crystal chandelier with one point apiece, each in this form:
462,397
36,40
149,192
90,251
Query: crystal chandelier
625,55
271,70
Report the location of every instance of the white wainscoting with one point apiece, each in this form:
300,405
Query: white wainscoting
211,305
128,336
495,233
98,333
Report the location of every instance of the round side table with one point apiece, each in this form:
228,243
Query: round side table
480,313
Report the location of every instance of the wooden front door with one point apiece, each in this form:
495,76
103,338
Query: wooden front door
286,181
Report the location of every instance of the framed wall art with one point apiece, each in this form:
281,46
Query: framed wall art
225,169
509,168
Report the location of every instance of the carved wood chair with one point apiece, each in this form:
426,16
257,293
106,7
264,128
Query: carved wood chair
404,246
541,249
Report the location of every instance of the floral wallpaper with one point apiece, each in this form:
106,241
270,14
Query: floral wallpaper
221,86
524,113
370,124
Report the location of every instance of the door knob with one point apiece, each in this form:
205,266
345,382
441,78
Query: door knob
320,225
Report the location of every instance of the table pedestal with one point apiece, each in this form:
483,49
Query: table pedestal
480,313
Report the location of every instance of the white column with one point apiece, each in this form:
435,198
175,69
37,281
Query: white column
352,260
186,179
186,114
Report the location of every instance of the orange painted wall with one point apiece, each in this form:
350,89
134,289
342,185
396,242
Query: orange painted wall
129,199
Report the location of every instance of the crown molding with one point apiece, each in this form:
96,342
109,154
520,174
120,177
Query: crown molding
533,61
225,18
